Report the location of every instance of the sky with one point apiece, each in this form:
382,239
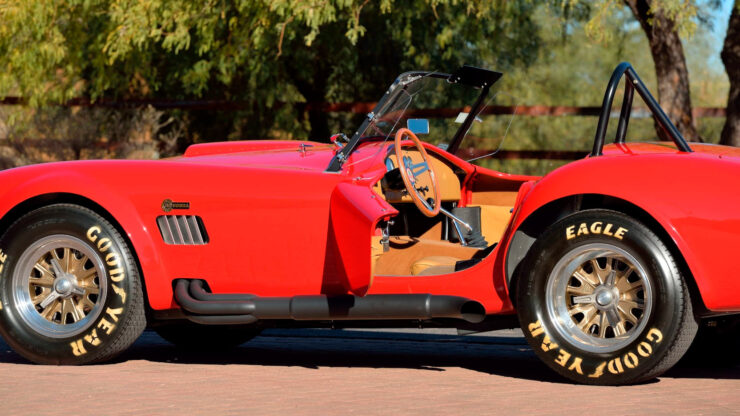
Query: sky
721,17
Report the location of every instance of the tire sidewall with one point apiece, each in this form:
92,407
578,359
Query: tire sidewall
120,276
632,362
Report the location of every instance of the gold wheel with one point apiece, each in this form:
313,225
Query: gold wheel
59,285
599,296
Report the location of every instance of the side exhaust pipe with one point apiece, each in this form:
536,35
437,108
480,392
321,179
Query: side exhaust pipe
211,308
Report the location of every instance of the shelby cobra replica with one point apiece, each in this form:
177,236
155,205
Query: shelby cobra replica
609,262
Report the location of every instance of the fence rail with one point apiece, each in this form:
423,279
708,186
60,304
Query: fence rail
366,107
356,107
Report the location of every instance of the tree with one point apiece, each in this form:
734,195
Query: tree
662,30
731,59
275,56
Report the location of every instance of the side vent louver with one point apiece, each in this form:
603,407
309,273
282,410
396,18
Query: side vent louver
182,229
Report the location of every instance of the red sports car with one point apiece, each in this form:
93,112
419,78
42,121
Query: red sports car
609,262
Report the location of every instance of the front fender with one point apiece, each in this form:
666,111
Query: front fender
23,184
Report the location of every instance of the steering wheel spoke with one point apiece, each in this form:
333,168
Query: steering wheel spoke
410,171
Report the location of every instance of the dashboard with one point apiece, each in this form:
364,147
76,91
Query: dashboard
391,187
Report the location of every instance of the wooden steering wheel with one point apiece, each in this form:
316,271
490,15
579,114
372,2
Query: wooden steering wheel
410,172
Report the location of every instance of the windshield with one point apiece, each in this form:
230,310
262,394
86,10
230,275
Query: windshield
429,100
435,106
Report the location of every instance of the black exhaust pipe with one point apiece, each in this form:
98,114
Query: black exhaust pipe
209,307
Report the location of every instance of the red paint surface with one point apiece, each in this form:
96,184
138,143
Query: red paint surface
280,226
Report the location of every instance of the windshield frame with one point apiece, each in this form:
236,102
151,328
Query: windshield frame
478,78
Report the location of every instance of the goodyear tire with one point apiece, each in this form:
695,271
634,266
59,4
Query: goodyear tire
603,301
206,337
69,287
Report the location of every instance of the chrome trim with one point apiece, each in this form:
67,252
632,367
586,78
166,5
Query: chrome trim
185,230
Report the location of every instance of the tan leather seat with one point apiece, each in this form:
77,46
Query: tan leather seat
434,265
494,219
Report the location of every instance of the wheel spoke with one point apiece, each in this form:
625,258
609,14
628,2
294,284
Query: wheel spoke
588,279
626,308
86,303
86,276
91,290
623,283
584,309
632,295
626,315
603,324
591,318
46,280
632,304
77,266
602,274
67,255
583,290
68,308
52,309
44,270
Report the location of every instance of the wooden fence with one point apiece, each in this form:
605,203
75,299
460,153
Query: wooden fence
366,107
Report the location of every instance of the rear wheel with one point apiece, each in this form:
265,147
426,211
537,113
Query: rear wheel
206,337
69,287
603,301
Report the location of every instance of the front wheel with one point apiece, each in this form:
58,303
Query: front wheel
69,287
603,301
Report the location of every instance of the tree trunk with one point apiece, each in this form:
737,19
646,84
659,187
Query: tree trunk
731,59
670,67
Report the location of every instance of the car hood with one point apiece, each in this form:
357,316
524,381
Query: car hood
275,154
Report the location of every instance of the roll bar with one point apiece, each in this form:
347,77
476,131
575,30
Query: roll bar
633,83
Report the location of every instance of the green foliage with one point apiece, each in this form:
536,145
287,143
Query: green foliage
260,51
683,12
572,70
277,56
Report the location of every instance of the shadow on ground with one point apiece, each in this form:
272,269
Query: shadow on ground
504,356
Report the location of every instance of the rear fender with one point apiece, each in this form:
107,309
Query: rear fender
680,193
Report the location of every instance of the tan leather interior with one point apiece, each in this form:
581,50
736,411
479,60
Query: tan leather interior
433,265
405,252
493,221
448,182
429,254
376,250
499,198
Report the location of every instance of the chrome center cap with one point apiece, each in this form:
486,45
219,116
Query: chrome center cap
63,286
604,297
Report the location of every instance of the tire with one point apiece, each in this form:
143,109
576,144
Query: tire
69,287
206,337
603,301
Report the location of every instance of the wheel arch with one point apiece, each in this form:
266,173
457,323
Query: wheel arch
535,224
42,200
